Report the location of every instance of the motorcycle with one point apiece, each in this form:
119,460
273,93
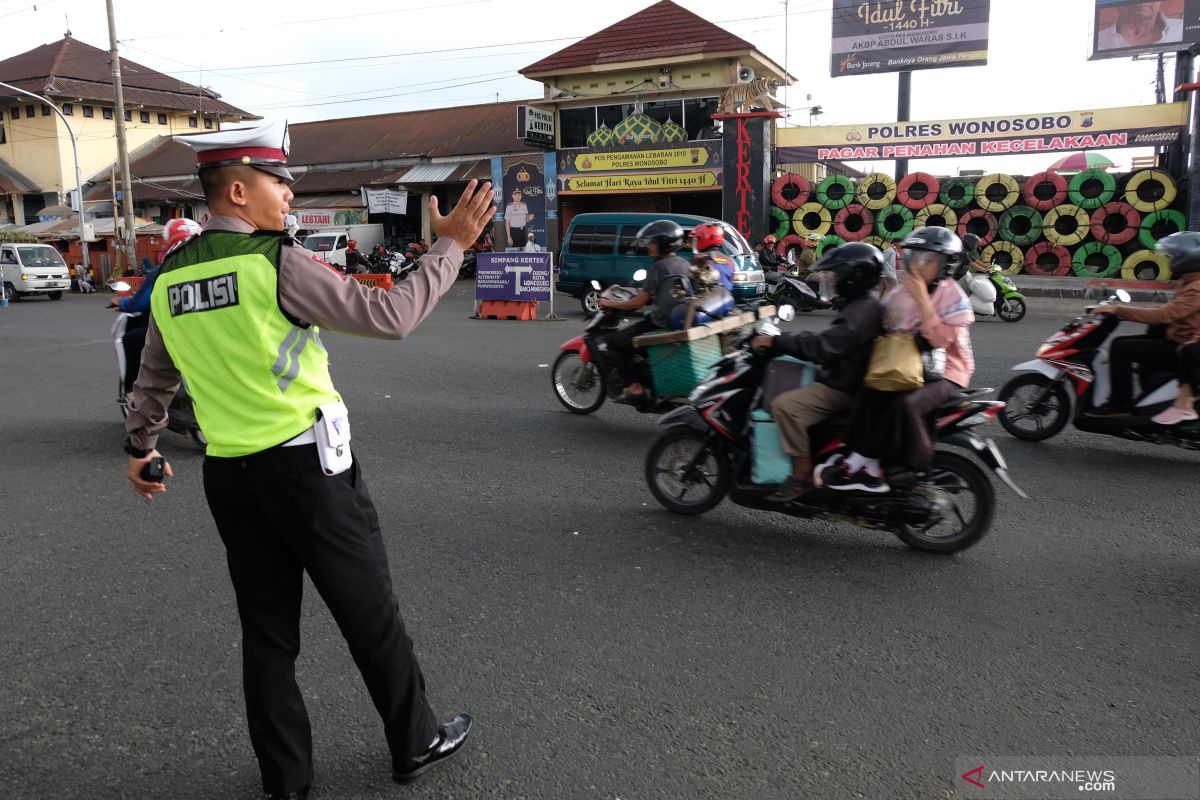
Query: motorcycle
993,294
1074,362
713,447
181,415
787,289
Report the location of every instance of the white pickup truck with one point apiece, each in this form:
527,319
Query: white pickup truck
329,244
29,269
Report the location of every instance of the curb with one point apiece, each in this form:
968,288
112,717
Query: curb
1093,288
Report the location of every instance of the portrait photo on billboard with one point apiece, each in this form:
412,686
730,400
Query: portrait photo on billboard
1129,27
524,217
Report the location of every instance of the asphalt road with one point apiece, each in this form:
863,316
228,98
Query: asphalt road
607,648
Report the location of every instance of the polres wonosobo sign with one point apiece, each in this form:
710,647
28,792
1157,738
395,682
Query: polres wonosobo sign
873,36
513,276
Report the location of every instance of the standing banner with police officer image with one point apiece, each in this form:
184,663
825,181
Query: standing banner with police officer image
870,37
524,205
1123,28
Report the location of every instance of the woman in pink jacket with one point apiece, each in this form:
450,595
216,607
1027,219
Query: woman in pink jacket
929,304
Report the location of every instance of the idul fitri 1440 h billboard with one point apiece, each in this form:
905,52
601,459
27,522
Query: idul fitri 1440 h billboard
874,36
1134,126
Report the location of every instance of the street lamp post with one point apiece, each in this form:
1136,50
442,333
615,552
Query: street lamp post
78,175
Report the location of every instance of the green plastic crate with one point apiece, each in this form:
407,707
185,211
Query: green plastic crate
679,367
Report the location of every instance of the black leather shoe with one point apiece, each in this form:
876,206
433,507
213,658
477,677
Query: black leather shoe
300,795
451,738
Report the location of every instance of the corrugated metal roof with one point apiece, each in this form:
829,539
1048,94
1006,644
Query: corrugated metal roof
345,200
662,30
342,180
70,68
428,173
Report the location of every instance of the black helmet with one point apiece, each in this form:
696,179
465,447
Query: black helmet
970,242
942,241
1183,249
856,266
666,235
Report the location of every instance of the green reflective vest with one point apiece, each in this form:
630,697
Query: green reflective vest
256,376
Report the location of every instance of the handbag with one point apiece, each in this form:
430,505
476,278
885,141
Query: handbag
896,364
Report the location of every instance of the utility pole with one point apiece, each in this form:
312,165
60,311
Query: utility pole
904,97
130,237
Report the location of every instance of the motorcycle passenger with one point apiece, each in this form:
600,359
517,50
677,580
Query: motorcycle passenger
891,255
842,351
353,257
768,259
661,238
1180,319
930,304
707,242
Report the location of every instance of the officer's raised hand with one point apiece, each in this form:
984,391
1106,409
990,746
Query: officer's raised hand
470,215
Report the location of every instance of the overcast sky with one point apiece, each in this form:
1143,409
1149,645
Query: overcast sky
303,60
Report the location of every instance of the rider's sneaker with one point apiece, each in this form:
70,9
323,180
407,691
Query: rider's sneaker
833,466
858,481
1174,415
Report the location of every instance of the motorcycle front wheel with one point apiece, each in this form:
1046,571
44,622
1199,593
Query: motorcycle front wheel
1036,407
578,386
685,473
1011,309
966,501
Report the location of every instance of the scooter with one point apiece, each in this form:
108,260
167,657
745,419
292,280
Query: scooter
787,289
1073,362
721,442
1010,303
181,416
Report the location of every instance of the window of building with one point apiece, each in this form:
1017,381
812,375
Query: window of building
2,139
575,125
89,111
208,124
29,112
666,110
129,116
193,123
106,113
144,116
162,119
45,110
68,109
611,115
697,118
16,113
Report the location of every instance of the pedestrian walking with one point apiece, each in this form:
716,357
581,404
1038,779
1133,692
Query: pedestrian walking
237,313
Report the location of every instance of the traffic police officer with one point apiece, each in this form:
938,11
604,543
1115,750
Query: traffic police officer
236,311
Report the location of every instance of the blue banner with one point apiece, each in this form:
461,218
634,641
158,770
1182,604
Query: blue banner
513,276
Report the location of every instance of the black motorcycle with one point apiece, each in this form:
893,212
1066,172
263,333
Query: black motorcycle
784,289
713,444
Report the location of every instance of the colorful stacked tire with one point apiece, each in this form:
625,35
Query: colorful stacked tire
1006,255
854,223
812,218
789,191
938,215
1021,225
829,241
979,222
997,192
1096,260
1047,260
1159,224
876,191
894,222
1045,190
1066,225
876,241
794,240
957,193
1091,189
783,222
1146,265
917,190
1150,190
1115,223
835,192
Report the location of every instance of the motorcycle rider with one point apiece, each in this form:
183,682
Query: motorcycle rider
1180,321
768,259
353,257
842,350
932,306
707,242
662,239
968,274
971,258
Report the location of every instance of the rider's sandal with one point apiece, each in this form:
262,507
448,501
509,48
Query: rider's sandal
627,397
789,490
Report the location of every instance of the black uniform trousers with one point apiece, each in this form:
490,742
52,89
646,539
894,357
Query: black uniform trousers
280,516
1148,350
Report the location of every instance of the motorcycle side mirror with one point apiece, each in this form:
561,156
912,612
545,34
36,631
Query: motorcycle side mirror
786,313
120,286
791,256
1123,295
596,285
640,275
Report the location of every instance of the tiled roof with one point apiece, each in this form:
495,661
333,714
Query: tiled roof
71,69
663,30
12,181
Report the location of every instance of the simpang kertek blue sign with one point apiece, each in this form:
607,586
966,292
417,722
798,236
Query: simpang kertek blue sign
513,276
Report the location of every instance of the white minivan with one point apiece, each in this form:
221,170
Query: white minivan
28,269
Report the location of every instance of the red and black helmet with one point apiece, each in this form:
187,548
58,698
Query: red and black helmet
708,235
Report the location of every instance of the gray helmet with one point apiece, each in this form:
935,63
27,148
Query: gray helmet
942,241
667,235
970,242
1183,250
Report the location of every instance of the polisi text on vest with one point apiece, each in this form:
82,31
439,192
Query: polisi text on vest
203,295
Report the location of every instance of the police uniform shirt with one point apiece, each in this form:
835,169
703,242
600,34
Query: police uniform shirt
516,214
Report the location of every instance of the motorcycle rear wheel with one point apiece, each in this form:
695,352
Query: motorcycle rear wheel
951,478
685,473
1010,309
1046,418
579,391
